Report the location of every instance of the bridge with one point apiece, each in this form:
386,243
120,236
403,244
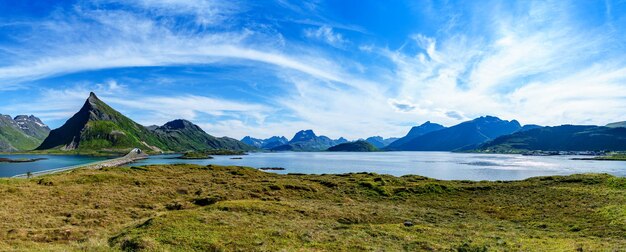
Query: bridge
134,155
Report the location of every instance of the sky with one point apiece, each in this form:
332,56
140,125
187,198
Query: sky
346,68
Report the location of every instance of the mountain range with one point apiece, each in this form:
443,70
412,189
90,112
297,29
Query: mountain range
97,126
265,144
307,140
21,133
464,136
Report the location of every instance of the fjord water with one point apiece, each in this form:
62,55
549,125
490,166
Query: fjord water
438,165
50,162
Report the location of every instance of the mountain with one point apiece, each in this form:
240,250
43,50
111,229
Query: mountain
32,126
617,125
358,146
416,131
265,143
97,126
561,138
182,135
21,133
306,140
380,142
254,142
463,136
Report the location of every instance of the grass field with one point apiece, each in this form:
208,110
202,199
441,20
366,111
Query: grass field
214,208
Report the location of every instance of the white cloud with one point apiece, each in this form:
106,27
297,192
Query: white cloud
205,12
533,65
537,68
327,35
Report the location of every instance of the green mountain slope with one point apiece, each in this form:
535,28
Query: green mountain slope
21,133
560,138
358,146
99,127
182,135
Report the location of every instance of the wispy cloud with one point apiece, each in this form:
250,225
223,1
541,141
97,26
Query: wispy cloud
327,35
539,67
537,62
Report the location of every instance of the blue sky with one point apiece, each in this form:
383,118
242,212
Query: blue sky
343,68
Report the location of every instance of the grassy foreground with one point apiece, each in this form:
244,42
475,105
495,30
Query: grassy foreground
213,208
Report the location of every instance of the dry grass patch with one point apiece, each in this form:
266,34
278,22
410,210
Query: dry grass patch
204,208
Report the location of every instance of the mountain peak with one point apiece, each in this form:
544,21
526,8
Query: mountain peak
303,135
179,124
424,128
92,99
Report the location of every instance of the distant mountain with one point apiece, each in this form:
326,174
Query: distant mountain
380,142
254,142
358,146
306,140
561,138
265,143
182,135
21,133
416,131
97,127
463,136
617,125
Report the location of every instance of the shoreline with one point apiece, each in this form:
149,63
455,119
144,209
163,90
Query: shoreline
128,158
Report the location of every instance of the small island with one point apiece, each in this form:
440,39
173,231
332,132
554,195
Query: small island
195,155
272,169
21,160
358,146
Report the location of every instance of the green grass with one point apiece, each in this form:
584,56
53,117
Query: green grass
213,208
14,139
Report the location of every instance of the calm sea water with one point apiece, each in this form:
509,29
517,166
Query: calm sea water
52,162
439,165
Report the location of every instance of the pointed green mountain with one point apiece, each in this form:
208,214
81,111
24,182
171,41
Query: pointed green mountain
99,127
